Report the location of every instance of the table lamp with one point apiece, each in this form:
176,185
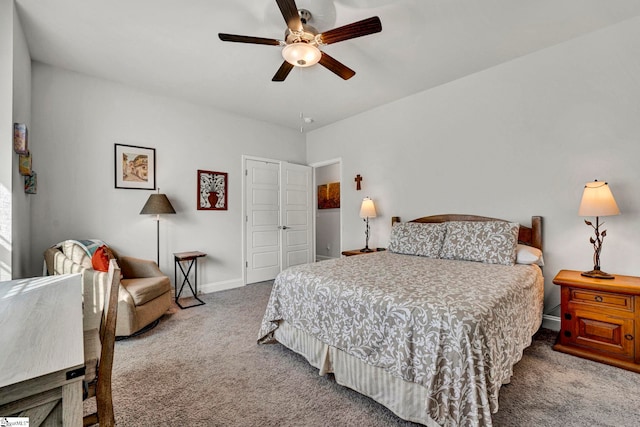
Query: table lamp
597,200
157,204
367,210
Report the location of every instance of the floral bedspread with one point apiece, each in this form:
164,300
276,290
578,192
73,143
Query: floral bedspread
455,327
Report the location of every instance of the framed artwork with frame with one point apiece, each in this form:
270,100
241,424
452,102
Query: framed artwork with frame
20,142
329,195
212,191
135,167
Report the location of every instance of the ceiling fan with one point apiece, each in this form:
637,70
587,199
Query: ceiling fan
302,43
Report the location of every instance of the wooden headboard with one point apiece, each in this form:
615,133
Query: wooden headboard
531,236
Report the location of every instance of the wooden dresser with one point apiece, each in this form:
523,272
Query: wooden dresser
600,318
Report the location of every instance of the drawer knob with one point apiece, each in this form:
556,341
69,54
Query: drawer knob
598,298
629,337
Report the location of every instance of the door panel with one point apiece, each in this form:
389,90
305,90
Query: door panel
296,214
297,257
262,219
295,238
297,218
263,239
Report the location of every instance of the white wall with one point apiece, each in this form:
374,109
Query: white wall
516,140
327,220
21,114
76,122
6,136
15,99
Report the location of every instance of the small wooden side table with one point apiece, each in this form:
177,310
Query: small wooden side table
359,252
600,319
191,258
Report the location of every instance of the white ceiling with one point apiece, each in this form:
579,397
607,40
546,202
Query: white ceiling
171,47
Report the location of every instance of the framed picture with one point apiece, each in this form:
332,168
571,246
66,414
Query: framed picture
31,183
24,164
329,195
20,138
212,191
135,167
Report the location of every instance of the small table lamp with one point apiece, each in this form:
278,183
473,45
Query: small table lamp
597,200
367,210
157,204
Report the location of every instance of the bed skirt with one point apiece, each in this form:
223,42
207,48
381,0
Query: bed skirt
406,399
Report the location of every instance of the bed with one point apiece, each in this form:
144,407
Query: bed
430,328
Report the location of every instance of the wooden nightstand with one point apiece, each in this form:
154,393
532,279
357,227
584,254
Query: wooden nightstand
600,318
357,252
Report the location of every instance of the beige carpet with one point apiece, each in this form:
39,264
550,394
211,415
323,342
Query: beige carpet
202,367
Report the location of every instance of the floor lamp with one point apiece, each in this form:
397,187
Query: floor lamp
157,204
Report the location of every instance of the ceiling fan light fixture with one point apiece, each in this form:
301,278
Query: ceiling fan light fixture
301,54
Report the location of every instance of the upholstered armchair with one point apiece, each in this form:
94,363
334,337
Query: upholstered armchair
144,294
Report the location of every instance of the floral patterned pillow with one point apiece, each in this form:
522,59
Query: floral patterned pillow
493,242
414,238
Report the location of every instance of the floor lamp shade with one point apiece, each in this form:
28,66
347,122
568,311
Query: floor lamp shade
157,204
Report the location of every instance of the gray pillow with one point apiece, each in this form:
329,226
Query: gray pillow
413,238
493,242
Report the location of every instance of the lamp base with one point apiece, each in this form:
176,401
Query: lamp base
366,250
598,274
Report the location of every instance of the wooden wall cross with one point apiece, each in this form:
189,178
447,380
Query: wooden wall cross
358,180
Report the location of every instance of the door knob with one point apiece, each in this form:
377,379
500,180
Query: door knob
283,227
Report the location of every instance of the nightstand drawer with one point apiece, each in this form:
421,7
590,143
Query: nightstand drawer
602,299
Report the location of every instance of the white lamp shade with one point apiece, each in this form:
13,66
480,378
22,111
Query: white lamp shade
368,209
301,54
597,200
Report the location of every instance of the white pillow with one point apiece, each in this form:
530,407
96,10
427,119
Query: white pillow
529,255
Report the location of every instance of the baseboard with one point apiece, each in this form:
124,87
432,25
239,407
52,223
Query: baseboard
207,288
551,322
323,257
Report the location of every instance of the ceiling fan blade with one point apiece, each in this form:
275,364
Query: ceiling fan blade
248,39
290,14
282,72
336,67
351,31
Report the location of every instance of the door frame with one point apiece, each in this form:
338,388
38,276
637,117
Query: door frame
314,184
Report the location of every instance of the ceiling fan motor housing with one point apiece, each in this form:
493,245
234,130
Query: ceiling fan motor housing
301,48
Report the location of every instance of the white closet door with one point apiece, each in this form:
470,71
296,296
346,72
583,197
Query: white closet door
278,218
263,244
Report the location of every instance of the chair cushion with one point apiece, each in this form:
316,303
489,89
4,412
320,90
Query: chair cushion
145,289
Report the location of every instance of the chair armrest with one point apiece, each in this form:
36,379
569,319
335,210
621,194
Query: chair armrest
135,267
